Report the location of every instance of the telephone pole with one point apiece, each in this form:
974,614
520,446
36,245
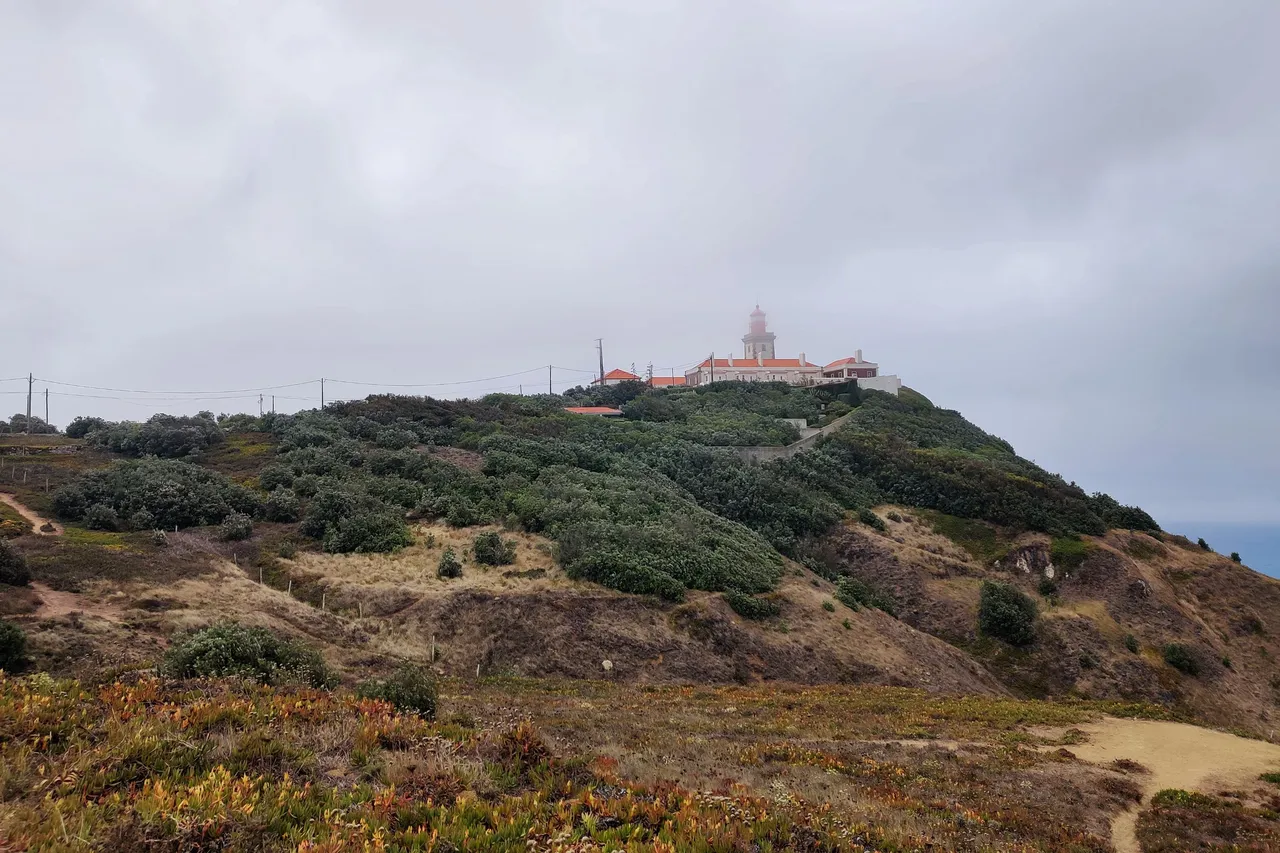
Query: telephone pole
46,405
600,350
549,391
712,362
322,393
31,381
273,404
259,405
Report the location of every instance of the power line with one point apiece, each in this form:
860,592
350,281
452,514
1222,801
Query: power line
537,369
138,391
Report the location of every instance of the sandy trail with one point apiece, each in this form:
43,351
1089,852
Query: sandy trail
37,521
1178,756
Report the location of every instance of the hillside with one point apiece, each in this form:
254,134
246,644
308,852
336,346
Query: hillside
639,550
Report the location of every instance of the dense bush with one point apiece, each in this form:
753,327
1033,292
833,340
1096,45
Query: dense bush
854,593
1006,613
450,566
1204,546
750,607
281,505
176,494
231,649
13,566
166,436
82,426
1131,643
410,688
1235,556
491,549
101,517
13,647
236,527
18,424
1181,658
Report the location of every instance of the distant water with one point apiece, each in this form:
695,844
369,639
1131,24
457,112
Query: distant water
1258,544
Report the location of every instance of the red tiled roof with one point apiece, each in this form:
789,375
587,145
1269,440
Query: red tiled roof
618,374
593,410
751,362
850,360
664,381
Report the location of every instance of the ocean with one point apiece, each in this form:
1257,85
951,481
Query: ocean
1258,544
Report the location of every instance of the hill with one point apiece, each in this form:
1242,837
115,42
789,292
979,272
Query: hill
505,538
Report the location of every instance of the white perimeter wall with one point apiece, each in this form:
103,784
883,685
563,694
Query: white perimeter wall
890,383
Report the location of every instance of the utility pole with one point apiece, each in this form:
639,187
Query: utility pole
322,393
521,390
46,405
549,391
600,350
712,362
259,405
31,381
273,404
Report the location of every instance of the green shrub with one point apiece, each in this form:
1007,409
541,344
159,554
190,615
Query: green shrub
13,566
491,549
1047,587
369,532
1088,660
1204,546
450,566
281,505
895,517
1006,613
1181,658
288,549
870,519
231,649
142,520
749,607
1273,778
236,527
160,539
82,426
847,624
1235,556
164,436
13,647
176,494
410,688
853,593
829,606
101,517
1131,643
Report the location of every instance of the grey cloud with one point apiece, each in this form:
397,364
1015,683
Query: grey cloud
1058,217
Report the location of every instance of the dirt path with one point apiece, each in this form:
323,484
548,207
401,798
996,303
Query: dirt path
1178,756
37,521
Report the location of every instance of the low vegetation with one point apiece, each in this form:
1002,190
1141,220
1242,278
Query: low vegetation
1182,658
224,767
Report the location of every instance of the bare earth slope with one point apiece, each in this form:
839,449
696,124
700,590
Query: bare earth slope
1124,585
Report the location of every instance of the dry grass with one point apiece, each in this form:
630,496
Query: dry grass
414,568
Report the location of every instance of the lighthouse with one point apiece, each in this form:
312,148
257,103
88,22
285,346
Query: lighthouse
758,341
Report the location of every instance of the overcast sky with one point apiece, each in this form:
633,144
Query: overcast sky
1060,218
